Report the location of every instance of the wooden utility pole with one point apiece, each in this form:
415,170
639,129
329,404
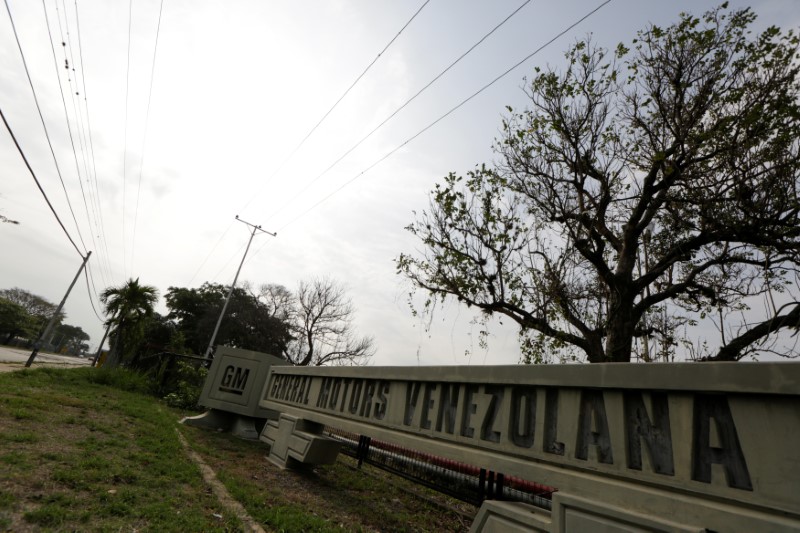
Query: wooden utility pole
51,323
230,292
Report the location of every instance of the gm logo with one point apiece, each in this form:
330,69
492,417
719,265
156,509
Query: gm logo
234,379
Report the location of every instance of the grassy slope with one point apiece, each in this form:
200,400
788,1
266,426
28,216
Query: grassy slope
79,454
86,450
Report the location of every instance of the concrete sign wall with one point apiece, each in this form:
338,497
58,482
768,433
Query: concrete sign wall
235,380
231,392
702,446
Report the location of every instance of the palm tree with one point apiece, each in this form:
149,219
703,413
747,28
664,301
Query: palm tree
127,306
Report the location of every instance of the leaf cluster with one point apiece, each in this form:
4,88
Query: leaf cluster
642,191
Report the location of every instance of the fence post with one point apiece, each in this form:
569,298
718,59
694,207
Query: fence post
167,372
363,449
481,485
498,488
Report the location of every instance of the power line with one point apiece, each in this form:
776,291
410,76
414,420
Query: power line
103,232
302,142
396,111
346,92
75,92
89,293
239,251
429,126
93,194
44,125
255,229
33,174
361,76
66,118
125,144
211,252
144,137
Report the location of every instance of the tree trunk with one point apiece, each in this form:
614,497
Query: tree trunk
621,326
115,355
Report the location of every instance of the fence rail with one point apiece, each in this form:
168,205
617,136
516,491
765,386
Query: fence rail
462,481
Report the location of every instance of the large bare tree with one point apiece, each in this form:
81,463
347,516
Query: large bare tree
277,299
322,324
644,192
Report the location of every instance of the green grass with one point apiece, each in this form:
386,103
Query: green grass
87,450
332,498
91,450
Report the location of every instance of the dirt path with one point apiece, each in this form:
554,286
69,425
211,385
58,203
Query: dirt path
219,489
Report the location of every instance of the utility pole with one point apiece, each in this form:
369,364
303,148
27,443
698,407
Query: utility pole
230,292
52,321
100,348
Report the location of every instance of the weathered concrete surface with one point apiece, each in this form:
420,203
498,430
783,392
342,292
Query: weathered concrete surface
235,380
232,391
658,447
293,443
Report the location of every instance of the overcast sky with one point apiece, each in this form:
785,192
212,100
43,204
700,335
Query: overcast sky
236,86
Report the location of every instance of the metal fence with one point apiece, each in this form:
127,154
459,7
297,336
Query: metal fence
462,481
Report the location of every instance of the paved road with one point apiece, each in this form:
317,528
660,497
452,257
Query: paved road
15,358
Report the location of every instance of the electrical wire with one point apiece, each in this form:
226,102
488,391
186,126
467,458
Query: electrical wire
125,143
228,262
70,64
302,142
66,118
33,174
27,163
94,287
44,125
442,117
93,284
81,128
89,293
317,125
144,137
396,111
103,232
213,248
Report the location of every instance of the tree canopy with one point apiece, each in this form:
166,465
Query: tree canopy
70,339
249,323
645,192
15,321
36,306
24,314
128,306
312,326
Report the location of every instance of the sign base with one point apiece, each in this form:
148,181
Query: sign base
244,427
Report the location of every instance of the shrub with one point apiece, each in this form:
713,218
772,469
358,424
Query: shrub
188,386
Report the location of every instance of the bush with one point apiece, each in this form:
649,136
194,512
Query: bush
121,378
189,381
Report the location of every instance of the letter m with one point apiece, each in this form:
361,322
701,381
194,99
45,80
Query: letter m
240,378
234,381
